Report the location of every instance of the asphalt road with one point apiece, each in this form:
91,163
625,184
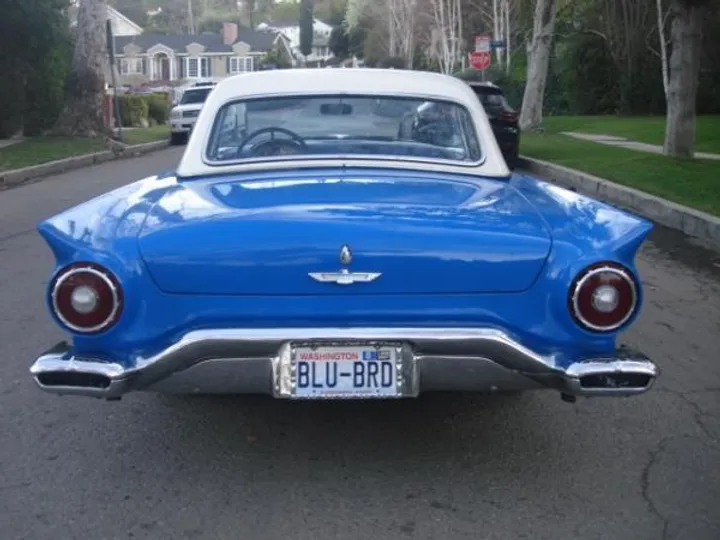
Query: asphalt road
440,468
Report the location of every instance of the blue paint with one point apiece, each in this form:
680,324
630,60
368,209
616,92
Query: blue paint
454,250
443,236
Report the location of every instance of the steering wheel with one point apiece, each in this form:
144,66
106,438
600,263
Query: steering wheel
297,141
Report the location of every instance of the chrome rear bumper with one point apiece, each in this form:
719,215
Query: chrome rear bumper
260,361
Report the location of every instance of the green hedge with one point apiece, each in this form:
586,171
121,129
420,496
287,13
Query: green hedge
158,108
133,110
137,111
45,90
12,97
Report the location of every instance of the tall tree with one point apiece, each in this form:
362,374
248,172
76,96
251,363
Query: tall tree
660,17
447,29
85,87
36,49
683,80
250,10
531,113
307,8
339,43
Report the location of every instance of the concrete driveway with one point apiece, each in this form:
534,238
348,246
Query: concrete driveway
441,468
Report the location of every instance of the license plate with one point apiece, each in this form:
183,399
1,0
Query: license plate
345,371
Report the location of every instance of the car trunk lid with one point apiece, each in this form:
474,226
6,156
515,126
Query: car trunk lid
422,234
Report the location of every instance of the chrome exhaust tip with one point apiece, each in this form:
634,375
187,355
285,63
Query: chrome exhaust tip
56,372
73,379
616,381
612,378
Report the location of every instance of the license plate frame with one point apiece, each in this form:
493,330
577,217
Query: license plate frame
306,373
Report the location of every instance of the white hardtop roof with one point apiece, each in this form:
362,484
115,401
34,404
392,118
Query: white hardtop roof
398,82
363,81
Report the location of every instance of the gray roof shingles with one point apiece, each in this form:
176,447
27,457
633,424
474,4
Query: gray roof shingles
259,41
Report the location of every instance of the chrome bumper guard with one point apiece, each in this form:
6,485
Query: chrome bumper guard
261,361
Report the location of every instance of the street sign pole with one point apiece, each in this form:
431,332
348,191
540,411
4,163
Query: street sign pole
480,58
111,54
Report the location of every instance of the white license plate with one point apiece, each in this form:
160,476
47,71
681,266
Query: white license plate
345,371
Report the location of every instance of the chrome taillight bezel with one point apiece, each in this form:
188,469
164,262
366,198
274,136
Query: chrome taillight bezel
100,272
585,277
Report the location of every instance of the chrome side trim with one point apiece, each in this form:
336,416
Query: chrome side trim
430,357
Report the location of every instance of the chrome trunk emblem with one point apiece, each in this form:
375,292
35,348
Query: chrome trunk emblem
345,255
344,276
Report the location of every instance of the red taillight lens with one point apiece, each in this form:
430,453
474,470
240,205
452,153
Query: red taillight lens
603,297
86,297
508,116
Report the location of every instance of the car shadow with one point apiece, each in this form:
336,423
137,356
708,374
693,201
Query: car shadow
442,428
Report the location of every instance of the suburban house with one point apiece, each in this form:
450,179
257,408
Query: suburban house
178,59
171,58
291,29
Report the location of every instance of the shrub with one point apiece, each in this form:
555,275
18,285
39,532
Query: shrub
133,111
11,97
45,89
158,107
392,62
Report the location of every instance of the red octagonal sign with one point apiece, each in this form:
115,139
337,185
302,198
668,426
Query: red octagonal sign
480,60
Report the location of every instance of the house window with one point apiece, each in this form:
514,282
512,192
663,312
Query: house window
131,66
197,68
240,64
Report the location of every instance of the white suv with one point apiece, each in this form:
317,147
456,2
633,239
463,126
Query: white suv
185,112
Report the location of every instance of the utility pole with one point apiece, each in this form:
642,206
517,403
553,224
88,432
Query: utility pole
111,57
191,20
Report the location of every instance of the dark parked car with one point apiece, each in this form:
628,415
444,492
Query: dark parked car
503,119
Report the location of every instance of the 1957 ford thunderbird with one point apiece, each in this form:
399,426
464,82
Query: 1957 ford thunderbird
347,235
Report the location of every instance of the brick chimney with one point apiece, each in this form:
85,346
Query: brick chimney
229,33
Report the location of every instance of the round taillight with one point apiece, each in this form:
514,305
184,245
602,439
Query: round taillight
603,297
86,297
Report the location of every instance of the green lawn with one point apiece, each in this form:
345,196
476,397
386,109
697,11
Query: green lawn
694,183
43,149
152,134
647,129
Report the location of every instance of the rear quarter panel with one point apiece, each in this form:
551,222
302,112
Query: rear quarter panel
104,230
584,231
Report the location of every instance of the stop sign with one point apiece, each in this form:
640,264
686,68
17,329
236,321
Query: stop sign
480,60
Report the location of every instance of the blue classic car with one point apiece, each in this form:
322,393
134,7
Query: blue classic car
354,234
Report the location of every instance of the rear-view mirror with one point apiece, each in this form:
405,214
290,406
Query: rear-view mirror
336,109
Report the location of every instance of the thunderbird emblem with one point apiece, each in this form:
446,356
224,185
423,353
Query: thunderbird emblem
344,276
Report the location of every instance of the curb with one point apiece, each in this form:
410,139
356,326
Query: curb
694,223
17,177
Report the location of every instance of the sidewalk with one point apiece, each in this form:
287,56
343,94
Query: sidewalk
631,145
4,143
14,177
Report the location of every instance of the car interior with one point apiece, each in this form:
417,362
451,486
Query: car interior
324,127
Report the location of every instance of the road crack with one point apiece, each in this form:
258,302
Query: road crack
645,488
14,235
697,411
645,484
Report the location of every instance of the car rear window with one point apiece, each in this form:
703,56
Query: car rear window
195,95
491,97
330,126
